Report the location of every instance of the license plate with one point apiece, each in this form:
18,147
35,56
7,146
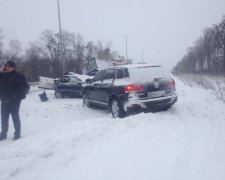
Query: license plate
156,94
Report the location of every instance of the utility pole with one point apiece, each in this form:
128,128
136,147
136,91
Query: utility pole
126,46
60,38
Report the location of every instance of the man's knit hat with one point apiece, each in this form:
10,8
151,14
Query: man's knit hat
10,64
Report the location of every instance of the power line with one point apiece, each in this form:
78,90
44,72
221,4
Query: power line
126,46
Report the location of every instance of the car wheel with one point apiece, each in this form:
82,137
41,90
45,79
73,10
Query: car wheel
86,101
58,94
117,109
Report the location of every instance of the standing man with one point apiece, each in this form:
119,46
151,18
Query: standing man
13,88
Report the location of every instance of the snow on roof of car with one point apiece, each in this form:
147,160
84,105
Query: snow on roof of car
138,66
82,77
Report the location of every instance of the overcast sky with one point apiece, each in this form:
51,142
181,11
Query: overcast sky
164,29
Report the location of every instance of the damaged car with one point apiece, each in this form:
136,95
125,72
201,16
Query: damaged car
70,85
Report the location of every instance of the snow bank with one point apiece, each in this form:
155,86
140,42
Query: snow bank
61,139
215,83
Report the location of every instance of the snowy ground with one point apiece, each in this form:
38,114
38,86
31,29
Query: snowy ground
61,139
215,83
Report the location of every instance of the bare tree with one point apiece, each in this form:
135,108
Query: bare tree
209,47
78,50
15,48
220,38
90,50
48,45
44,56
208,53
1,47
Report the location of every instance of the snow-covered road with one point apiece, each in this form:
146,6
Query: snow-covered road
64,140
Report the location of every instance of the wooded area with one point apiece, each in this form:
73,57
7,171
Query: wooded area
45,58
208,53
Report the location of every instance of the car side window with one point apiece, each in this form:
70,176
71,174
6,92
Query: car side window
98,76
119,74
109,75
126,73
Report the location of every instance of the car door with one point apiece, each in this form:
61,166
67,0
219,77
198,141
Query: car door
63,84
93,89
75,85
106,86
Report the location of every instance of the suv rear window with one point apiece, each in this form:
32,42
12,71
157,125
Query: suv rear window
141,73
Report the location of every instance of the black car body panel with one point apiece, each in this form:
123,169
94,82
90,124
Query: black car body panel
153,89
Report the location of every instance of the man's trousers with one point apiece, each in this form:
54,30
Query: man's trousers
13,109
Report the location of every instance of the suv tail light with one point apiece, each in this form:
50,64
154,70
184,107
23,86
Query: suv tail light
171,83
133,88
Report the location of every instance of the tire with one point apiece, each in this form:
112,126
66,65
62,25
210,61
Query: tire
86,102
117,109
58,94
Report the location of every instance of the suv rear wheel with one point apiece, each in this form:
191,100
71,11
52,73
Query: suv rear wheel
117,109
86,101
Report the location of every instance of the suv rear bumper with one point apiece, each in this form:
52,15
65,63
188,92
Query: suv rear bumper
160,103
156,103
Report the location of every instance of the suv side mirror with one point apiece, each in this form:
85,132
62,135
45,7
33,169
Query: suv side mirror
88,81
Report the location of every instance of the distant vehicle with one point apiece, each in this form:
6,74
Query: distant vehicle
125,88
70,85
95,64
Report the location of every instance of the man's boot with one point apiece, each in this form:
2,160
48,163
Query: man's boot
16,137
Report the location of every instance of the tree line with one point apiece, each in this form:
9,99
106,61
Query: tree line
208,53
48,57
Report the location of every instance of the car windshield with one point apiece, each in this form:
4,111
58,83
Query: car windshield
147,72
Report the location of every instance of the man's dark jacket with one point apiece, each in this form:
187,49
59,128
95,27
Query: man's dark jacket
13,86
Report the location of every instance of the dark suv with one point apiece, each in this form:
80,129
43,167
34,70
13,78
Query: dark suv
128,87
